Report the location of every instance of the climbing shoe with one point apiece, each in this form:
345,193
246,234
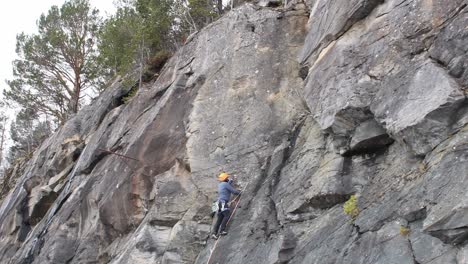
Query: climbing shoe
223,233
214,236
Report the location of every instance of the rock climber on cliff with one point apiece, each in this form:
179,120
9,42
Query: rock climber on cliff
225,189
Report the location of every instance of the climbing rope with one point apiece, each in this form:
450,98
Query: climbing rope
134,168
230,217
118,154
238,197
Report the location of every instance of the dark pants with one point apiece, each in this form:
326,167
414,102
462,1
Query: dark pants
221,222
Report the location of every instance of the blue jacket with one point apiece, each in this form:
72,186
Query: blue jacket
224,191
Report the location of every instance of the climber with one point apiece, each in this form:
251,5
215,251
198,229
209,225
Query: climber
224,195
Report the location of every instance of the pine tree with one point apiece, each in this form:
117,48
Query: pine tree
3,121
138,30
203,12
57,64
27,132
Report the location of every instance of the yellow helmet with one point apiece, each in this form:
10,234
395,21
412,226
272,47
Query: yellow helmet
223,176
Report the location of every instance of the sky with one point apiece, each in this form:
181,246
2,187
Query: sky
20,16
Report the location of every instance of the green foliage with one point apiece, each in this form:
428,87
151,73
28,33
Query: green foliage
119,39
157,18
73,50
137,30
3,127
351,208
11,175
130,95
27,133
155,64
404,231
140,29
58,63
202,12
159,59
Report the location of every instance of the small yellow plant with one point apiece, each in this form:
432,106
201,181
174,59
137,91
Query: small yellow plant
350,207
422,168
404,231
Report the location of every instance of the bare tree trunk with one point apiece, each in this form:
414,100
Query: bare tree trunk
48,123
29,141
76,93
142,45
219,5
208,18
192,22
2,141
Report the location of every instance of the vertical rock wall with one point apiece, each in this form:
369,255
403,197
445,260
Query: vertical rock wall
305,105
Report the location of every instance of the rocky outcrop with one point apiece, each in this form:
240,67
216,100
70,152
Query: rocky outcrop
304,105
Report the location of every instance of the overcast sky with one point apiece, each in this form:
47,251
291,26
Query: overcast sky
18,16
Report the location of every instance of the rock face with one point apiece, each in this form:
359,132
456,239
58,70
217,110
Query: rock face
304,105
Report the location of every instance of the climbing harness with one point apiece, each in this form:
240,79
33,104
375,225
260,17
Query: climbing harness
215,206
219,206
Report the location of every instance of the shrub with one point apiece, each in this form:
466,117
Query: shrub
351,208
155,65
156,62
404,231
130,95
